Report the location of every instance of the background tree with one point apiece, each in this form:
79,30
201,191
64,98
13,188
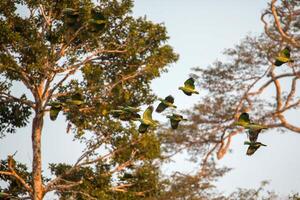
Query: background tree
248,81
83,59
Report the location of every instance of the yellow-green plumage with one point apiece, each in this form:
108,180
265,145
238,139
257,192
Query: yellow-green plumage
175,119
126,113
189,87
147,120
55,108
165,103
283,56
245,122
97,22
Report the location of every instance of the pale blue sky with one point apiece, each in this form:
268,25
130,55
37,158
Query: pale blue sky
199,31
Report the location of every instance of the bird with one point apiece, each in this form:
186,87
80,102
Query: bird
75,99
189,87
253,146
126,113
165,103
283,56
175,119
71,18
253,134
245,122
70,12
147,120
55,108
97,21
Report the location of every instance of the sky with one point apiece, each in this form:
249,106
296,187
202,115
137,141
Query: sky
199,31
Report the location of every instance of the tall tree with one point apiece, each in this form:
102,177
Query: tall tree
82,59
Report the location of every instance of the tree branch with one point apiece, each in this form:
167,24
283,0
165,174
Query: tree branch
283,34
14,174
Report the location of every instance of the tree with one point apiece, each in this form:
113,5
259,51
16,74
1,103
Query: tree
248,81
81,59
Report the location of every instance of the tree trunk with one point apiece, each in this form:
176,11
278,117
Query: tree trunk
37,184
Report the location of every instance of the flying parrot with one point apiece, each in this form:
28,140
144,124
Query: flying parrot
147,120
189,87
175,119
165,103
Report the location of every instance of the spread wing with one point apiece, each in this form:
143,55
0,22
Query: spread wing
148,113
190,83
161,107
253,134
170,99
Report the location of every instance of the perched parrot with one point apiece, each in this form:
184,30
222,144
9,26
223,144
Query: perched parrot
126,113
175,119
283,56
70,12
189,87
76,99
147,120
55,108
165,103
71,17
97,21
253,146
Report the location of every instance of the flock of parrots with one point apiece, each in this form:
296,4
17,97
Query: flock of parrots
284,56
127,113
130,113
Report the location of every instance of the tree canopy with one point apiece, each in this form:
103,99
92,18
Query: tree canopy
93,62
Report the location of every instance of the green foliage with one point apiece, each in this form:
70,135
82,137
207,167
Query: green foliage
13,115
83,59
15,188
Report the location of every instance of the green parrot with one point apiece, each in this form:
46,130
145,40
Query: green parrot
189,87
55,108
175,119
253,134
97,21
253,146
283,56
165,103
147,120
245,122
126,113
75,99
70,12
71,17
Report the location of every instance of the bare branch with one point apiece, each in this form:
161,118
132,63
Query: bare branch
283,34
